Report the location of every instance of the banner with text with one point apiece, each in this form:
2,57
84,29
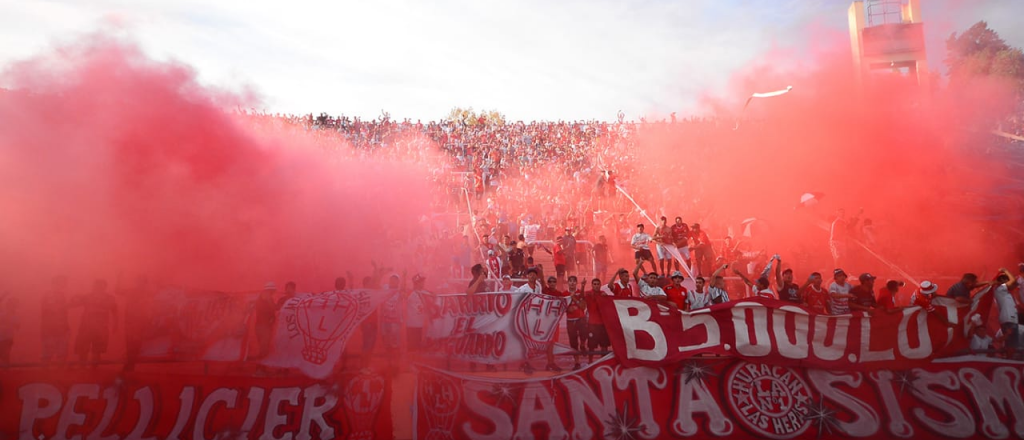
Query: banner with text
491,327
764,330
104,405
726,397
189,324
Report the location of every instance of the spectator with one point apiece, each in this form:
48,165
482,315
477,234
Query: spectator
575,322
813,295
681,237
415,317
980,342
601,259
265,312
598,337
55,330
99,317
922,297
864,293
649,287
10,322
699,298
641,244
1007,303
761,288
619,284
663,238
531,285
788,290
477,283
676,292
839,294
961,290
703,252
887,296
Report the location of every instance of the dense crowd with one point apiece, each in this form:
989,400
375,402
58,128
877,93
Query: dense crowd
498,225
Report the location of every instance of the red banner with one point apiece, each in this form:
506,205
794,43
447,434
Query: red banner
726,397
107,406
779,333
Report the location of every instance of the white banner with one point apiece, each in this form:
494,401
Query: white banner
190,325
497,327
312,329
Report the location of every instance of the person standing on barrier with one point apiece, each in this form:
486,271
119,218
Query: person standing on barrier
641,244
663,238
681,235
703,252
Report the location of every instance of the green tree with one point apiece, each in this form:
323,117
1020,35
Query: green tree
470,117
980,52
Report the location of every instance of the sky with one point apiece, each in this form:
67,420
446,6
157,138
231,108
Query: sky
529,59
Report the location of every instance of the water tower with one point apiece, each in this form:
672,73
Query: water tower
888,36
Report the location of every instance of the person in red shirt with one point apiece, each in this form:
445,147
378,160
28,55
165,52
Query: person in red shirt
703,252
676,292
559,257
813,295
575,322
887,296
619,284
551,289
681,234
598,336
923,296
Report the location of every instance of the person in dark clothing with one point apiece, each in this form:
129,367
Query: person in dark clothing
864,294
99,317
54,327
266,315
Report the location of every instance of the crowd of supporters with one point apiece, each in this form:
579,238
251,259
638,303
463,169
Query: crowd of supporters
501,235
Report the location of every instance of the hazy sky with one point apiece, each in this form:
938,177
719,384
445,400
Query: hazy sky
546,59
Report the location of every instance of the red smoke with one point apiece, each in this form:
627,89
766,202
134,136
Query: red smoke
112,163
915,160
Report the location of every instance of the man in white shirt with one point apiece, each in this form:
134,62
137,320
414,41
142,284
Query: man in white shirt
641,243
981,342
760,288
839,294
698,298
1020,283
1007,303
532,284
649,287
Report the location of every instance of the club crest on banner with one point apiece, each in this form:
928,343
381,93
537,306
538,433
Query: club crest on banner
439,398
322,320
770,401
537,321
312,329
363,396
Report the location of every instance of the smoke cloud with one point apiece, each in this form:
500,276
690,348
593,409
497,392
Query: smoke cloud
112,163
